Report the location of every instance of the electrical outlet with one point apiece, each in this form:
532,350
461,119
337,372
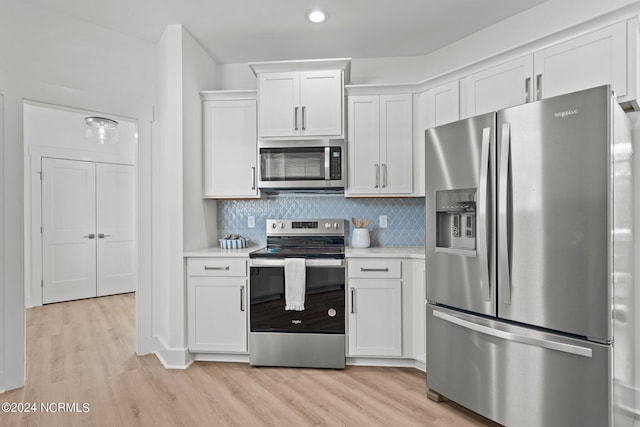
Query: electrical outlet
383,221
251,221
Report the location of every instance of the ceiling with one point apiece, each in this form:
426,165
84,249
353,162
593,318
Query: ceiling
237,31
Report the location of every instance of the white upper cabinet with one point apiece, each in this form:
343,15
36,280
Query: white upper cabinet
380,145
595,59
433,107
279,103
439,105
230,144
321,103
498,87
296,104
605,56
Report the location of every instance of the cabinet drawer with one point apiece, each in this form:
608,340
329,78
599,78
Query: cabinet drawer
381,268
217,267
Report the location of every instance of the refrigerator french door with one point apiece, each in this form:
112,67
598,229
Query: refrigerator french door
529,261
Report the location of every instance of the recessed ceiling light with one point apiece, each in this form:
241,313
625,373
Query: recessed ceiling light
317,16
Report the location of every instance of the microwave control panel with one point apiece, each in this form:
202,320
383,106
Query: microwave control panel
335,154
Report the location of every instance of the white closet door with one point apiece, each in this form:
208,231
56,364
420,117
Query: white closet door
116,231
69,227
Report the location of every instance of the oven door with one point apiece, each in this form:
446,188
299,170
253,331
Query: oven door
324,311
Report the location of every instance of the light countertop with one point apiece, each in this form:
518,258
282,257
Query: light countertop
416,252
217,252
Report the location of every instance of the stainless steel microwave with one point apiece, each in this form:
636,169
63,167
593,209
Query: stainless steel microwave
317,164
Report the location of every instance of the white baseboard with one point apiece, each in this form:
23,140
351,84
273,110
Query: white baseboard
221,357
376,361
171,358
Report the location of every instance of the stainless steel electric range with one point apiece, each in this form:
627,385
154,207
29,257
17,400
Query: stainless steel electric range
315,336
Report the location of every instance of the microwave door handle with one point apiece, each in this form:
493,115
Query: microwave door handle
327,163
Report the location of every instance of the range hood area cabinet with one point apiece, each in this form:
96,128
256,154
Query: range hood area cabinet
230,144
380,148
298,99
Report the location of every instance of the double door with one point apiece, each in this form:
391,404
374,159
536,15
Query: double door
88,229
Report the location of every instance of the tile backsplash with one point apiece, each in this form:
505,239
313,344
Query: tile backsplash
405,217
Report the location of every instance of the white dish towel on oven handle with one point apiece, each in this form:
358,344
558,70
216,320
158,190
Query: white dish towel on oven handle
294,283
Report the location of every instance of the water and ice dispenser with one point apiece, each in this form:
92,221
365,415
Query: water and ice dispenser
456,220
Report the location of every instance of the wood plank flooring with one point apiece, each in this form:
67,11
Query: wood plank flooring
82,352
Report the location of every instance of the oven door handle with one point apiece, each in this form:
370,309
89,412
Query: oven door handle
309,262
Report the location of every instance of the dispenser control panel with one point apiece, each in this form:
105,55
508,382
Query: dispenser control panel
456,219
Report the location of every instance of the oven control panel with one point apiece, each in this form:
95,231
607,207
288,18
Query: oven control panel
324,227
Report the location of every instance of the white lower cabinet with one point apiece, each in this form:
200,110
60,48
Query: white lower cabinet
375,308
217,305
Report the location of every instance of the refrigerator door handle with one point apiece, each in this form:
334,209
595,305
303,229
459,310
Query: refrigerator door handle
510,336
483,241
503,215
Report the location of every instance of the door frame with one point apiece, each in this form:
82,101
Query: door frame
32,292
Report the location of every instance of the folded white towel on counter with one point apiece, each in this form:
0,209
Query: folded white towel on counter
294,283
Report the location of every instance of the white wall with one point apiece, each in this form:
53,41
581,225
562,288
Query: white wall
200,216
58,60
166,197
181,218
528,27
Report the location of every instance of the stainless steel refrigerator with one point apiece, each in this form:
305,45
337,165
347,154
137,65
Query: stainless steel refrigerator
529,257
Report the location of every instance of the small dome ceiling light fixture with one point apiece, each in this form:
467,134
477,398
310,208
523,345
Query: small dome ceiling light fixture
317,16
101,129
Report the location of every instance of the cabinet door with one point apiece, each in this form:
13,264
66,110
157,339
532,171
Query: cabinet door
419,313
498,87
591,60
278,104
363,145
69,230
321,103
116,229
439,106
230,149
434,107
396,144
375,317
217,317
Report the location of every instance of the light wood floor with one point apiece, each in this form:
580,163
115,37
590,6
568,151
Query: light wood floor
82,352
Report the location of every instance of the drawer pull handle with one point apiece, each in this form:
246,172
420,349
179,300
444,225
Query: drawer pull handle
206,267
386,269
